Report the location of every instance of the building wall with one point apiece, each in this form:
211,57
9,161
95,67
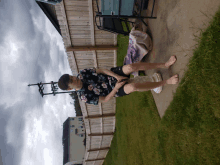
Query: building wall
77,148
1,162
73,163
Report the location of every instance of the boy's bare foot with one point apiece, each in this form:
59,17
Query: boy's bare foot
171,61
173,80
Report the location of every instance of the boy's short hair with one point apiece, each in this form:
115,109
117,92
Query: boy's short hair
64,81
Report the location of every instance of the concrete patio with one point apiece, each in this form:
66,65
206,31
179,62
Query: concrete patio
173,34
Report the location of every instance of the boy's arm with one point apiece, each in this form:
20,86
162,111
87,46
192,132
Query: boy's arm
103,99
107,72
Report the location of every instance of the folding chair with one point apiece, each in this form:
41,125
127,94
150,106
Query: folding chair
114,25
115,12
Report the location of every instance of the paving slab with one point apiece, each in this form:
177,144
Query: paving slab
173,34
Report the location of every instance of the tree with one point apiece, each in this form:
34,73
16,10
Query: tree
76,104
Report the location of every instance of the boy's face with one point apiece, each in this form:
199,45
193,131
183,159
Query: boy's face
76,83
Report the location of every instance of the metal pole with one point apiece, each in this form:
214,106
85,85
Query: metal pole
54,88
58,93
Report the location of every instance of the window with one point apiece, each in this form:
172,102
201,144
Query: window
80,126
72,126
81,135
80,119
71,130
72,119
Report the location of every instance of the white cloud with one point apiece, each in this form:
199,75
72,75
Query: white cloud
47,157
45,132
30,53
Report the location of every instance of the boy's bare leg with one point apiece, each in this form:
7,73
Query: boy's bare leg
128,69
149,66
151,85
140,87
129,88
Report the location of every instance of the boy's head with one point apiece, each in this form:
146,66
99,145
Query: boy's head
67,82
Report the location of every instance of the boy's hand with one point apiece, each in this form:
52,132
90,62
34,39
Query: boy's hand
120,78
119,85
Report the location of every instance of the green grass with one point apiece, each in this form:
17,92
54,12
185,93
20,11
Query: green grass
189,133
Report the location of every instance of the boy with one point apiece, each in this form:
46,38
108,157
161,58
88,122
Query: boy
96,85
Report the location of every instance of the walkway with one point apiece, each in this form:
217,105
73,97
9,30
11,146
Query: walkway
173,34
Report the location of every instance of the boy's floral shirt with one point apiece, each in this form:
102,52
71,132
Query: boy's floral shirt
95,85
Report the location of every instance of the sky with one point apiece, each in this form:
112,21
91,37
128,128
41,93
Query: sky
31,51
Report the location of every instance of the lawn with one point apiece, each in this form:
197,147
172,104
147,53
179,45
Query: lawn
189,132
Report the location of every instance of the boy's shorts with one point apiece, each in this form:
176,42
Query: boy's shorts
118,70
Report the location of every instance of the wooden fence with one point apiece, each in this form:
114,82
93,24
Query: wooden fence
100,125
76,20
